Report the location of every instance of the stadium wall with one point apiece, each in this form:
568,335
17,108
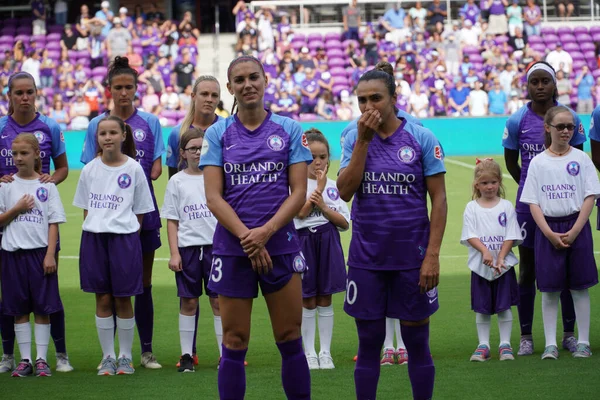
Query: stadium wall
459,136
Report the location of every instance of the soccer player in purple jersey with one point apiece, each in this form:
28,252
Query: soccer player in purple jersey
206,95
147,133
390,166
255,173
595,145
523,137
24,118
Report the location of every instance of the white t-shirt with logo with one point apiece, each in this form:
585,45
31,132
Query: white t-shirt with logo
492,226
560,184
113,196
332,199
29,230
185,201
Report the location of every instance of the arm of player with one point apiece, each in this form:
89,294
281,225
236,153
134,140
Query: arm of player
175,261
255,239
583,217
156,170
595,145
430,269
61,170
306,209
24,204
511,158
50,258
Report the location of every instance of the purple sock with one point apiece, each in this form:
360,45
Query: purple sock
196,329
568,311
295,375
7,329
421,370
371,335
232,374
57,330
144,318
526,307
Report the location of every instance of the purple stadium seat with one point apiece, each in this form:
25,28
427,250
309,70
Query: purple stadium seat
475,58
567,38
594,29
539,47
587,46
583,38
55,29
535,39
4,47
338,89
7,39
576,55
298,45
580,29
578,64
314,36
478,66
8,31
551,46
39,38
171,122
53,37
340,80
501,39
337,62
54,54
338,71
24,38
471,50
333,44
181,114
315,44
333,36
84,61
87,70
596,73
346,43
546,30
569,47
349,71
99,70
564,29
550,38
299,37
596,37
335,53
25,30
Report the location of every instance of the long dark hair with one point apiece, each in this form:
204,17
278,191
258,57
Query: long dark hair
128,145
11,81
192,133
315,135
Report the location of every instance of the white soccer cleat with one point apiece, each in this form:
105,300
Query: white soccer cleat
313,362
62,363
149,361
325,361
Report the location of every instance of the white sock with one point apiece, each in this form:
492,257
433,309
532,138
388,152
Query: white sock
42,338
218,333
550,315
581,300
186,333
106,335
23,334
325,328
309,323
388,343
125,329
505,319
483,328
399,340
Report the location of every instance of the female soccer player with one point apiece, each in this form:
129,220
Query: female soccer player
318,223
147,133
595,145
255,171
30,214
114,193
24,118
190,228
206,95
390,166
561,188
522,137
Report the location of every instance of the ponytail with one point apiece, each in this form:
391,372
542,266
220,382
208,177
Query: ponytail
128,146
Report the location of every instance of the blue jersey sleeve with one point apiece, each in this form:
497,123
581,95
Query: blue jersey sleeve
433,154
159,144
89,143
3,123
579,134
510,138
348,147
212,146
58,140
594,125
299,150
350,127
173,147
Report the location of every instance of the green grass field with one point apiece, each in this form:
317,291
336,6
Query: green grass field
453,336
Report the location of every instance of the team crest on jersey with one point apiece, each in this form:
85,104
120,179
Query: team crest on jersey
42,194
275,143
502,219
169,151
437,152
406,154
505,134
432,293
124,181
304,140
591,124
39,135
139,135
581,130
333,193
573,168
204,148
62,137
299,264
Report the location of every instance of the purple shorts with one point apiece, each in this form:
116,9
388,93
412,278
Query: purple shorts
150,240
573,268
322,249
25,288
528,229
372,295
111,263
233,276
493,297
196,262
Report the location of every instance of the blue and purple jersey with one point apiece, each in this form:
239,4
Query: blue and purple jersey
353,126
255,172
390,221
173,144
524,132
45,130
149,146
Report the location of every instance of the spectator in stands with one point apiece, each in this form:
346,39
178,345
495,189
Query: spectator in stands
419,102
185,98
418,16
153,15
470,11
452,54
94,94
515,17
169,48
96,46
533,18
310,90
84,20
249,28
60,12
138,28
471,78
47,68
560,59
584,82
18,52
32,66
564,8
104,18
283,27
80,113
436,13
508,78
240,10
126,20
118,40
150,99
79,75
221,111
465,66
514,104
266,34
437,104
38,10
596,92
68,39
288,84
458,100
497,99
394,23
325,106
563,87
59,114
153,77
468,35
285,105
351,20
138,12
518,42
478,101
305,59
184,71
344,109
169,100
498,24
135,59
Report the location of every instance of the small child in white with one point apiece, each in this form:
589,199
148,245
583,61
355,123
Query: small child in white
490,231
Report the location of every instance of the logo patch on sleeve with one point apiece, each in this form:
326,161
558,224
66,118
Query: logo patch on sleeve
505,134
304,140
437,152
581,129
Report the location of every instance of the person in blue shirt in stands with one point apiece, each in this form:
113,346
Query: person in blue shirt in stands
459,100
497,99
584,82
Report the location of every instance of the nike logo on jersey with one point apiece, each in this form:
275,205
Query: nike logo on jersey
526,130
4,136
432,300
230,147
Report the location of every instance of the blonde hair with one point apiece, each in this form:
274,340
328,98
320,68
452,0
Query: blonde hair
31,140
189,117
487,168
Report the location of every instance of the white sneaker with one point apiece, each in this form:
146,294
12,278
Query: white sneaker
149,361
325,361
7,364
313,362
62,363
100,365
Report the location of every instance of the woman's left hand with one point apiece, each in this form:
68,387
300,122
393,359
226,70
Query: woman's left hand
46,178
254,240
430,273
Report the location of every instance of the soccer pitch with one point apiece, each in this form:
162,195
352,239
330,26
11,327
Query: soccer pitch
453,335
